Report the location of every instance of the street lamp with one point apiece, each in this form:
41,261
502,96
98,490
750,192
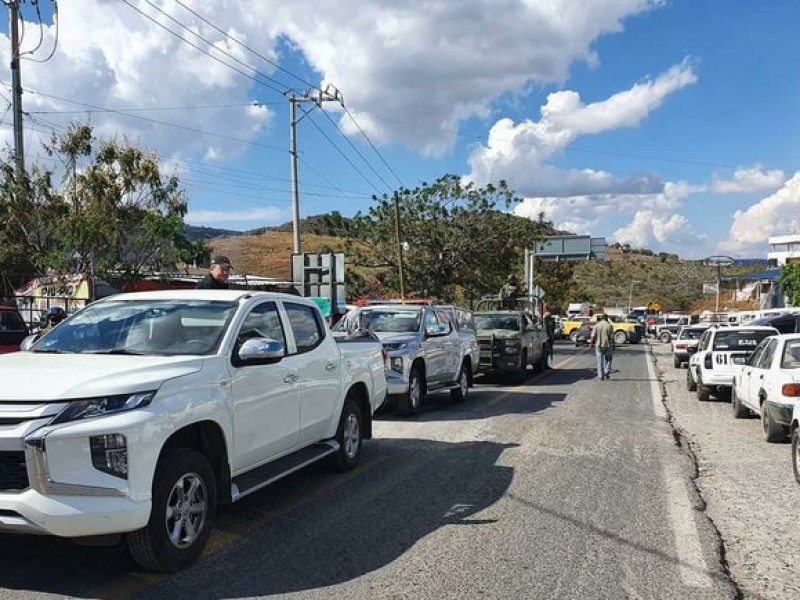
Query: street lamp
718,262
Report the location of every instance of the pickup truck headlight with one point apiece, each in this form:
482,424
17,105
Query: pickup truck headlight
103,406
396,364
392,346
512,346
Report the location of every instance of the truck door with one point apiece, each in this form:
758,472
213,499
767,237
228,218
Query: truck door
758,373
436,348
266,403
320,373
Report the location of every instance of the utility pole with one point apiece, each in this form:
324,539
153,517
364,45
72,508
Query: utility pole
399,248
16,85
317,97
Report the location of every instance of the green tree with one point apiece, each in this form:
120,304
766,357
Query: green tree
458,239
790,282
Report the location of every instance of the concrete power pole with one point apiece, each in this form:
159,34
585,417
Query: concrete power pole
317,97
16,84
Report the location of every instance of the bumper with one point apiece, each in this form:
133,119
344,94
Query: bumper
30,512
681,355
499,363
711,380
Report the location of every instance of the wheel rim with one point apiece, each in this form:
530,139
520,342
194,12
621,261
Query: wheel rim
764,419
351,436
463,383
415,391
187,509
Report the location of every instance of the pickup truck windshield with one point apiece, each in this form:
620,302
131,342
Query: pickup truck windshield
739,340
390,321
151,327
509,322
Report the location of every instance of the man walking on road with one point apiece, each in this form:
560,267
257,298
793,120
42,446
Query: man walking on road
602,339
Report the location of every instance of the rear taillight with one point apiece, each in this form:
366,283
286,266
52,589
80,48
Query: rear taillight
680,346
791,389
707,362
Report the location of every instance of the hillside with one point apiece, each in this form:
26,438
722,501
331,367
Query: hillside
640,276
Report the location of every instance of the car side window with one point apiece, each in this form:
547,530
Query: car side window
263,321
703,344
430,319
306,326
445,318
765,360
756,355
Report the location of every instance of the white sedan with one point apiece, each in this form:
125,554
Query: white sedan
769,385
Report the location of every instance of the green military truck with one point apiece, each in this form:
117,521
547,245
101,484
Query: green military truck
509,341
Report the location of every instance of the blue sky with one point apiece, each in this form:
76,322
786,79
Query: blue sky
672,125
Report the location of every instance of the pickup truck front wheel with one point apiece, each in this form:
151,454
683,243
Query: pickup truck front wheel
460,393
410,403
183,509
349,436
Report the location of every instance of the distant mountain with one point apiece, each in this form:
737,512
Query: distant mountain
195,233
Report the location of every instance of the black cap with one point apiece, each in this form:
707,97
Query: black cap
222,261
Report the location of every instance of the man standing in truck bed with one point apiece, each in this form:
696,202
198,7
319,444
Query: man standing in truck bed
603,340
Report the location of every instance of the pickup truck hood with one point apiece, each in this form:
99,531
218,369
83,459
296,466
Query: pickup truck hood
42,377
396,338
499,334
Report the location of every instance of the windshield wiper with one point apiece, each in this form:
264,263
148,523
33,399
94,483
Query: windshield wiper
120,351
50,351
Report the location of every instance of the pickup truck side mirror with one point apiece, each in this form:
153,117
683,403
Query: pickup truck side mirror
28,341
260,351
437,330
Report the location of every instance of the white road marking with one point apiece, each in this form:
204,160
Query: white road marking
693,567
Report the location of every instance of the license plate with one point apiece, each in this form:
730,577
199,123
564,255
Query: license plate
739,360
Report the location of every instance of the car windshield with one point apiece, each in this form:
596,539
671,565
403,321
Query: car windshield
147,327
739,340
508,322
690,334
390,321
791,355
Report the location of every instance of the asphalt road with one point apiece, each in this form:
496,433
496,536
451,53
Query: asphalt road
566,487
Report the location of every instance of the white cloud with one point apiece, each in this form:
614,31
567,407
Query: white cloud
265,216
752,180
519,153
774,215
647,229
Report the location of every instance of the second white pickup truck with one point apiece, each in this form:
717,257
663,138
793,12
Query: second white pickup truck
141,413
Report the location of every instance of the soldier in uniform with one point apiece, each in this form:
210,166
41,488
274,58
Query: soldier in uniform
510,292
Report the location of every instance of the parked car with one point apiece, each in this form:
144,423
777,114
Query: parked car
785,323
685,344
571,325
12,329
669,326
424,348
140,414
624,330
768,385
721,352
509,342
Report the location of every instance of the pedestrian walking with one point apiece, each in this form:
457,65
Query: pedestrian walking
602,339
218,273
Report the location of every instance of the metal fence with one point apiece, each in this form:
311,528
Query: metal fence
33,307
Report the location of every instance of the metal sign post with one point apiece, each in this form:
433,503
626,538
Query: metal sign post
719,262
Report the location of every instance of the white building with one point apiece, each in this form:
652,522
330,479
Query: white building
784,249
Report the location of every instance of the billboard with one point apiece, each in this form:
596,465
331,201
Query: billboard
570,247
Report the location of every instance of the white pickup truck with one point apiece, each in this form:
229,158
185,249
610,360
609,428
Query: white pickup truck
144,411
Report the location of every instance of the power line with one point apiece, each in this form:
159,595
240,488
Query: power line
356,150
246,47
157,122
207,53
155,108
369,141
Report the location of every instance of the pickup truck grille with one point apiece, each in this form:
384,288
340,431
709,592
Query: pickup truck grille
13,471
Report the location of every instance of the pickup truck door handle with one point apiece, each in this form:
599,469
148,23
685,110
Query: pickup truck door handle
330,366
291,378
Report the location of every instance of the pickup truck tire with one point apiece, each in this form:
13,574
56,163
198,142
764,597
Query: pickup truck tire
676,362
702,392
460,393
410,403
349,436
773,432
620,337
521,374
574,337
739,411
182,516
691,384
665,336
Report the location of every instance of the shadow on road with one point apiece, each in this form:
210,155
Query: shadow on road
311,530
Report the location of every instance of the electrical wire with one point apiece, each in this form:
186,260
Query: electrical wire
369,141
339,150
155,108
55,42
207,53
355,149
246,47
